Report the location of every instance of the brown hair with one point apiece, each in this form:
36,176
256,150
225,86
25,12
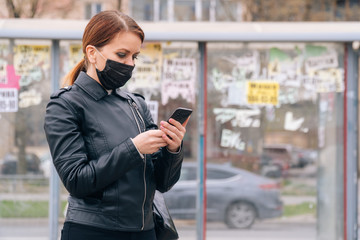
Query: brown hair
100,30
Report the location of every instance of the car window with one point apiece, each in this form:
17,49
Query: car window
218,174
188,174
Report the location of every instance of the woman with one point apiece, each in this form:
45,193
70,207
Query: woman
106,149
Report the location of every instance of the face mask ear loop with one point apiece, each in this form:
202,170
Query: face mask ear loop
100,55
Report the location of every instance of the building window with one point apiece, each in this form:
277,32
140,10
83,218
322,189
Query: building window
91,9
142,10
229,10
184,10
163,10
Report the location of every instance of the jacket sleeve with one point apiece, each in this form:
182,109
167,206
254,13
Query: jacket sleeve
80,175
167,165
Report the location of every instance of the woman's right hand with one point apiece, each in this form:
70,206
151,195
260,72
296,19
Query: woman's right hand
150,141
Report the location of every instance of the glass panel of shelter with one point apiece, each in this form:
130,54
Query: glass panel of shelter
24,159
270,112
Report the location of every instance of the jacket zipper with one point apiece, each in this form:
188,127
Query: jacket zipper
133,105
137,110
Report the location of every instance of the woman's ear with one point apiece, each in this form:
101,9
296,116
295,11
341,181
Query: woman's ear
90,53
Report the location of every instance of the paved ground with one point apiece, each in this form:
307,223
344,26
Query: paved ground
282,229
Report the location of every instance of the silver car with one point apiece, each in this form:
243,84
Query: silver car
234,196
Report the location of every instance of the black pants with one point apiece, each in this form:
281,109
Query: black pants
74,231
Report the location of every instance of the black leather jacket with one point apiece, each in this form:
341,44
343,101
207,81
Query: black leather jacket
111,186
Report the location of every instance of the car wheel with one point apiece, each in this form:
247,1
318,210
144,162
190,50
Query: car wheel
240,215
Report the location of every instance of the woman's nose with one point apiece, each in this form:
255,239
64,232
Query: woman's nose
130,61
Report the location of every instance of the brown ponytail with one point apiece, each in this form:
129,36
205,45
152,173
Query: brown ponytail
70,78
100,30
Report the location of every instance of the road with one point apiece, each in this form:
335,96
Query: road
18,229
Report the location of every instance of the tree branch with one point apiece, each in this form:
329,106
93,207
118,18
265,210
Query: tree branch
13,12
34,8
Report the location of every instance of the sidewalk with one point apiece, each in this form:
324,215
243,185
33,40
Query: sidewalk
20,229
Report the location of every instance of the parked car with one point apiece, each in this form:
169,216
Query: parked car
9,164
305,156
234,196
282,153
272,167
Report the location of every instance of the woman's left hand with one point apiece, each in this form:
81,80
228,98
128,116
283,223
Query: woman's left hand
173,133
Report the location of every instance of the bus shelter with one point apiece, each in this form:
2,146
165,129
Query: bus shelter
277,100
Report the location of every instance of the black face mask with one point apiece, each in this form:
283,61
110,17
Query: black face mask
114,74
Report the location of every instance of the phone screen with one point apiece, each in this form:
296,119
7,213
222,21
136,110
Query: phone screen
181,114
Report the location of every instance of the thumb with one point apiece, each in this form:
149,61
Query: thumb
186,122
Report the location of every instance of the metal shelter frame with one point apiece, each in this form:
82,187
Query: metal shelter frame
203,32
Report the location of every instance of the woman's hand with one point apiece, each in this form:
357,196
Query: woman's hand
173,133
150,141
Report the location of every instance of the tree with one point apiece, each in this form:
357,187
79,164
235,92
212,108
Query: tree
35,8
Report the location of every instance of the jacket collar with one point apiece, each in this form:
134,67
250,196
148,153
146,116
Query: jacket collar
90,86
122,93
93,88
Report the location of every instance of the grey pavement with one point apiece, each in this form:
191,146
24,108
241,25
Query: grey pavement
20,229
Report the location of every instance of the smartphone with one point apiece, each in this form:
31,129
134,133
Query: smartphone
181,114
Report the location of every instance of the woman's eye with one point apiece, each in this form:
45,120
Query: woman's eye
135,57
121,55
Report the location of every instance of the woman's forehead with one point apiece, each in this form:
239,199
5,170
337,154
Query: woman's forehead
126,40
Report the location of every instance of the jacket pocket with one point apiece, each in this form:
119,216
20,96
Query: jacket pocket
109,199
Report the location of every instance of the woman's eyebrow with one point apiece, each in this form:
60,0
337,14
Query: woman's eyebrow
126,50
122,49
